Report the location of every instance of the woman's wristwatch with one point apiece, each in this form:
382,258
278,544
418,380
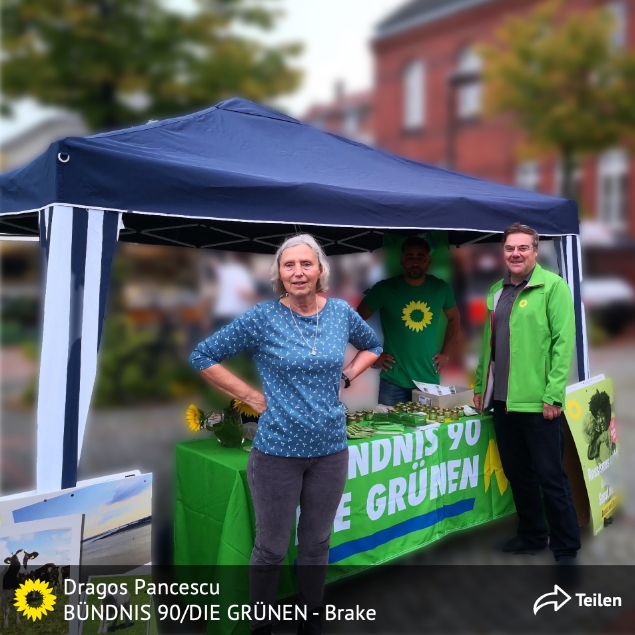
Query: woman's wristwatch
347,381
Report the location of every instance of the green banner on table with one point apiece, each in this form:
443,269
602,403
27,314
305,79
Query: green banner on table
406,491
403,492
591,419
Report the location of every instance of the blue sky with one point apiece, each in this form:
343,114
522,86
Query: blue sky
52,545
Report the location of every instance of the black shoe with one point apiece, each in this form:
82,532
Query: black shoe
518,545
312,625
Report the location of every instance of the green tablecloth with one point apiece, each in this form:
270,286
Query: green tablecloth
403,492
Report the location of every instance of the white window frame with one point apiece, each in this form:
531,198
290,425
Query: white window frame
528,176
414,95
469,94
612,188
350,122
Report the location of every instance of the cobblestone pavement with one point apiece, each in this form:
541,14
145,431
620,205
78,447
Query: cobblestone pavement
145,437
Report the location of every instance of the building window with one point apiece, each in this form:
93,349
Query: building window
618,9
351,123
612,184
528,176
470,88
414,95
576,178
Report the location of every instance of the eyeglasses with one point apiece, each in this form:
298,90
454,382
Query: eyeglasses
523,249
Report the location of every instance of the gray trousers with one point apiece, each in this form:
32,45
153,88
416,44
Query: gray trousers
277,485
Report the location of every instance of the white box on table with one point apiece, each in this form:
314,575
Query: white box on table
462,397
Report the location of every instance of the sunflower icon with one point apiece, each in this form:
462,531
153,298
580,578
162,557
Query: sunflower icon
573,409
422,314
34,599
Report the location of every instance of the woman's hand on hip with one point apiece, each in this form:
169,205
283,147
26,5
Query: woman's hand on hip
258,402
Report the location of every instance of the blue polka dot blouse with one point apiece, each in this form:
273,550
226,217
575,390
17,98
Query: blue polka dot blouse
304,417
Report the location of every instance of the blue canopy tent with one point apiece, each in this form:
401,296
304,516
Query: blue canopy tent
236,176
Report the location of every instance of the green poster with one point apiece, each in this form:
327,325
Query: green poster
591,418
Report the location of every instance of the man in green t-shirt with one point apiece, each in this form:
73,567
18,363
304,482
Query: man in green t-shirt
409,307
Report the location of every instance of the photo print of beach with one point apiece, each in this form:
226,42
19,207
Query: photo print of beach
48,550
117,519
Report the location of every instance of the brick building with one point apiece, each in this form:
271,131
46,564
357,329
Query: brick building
349,115
428,95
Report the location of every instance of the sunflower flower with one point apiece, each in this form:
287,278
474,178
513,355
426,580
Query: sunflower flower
195,417
244,409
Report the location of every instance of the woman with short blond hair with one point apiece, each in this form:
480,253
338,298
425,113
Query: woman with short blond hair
300,453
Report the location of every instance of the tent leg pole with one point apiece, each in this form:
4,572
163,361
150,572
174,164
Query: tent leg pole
570,267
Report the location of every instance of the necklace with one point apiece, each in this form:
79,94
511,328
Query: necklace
317,322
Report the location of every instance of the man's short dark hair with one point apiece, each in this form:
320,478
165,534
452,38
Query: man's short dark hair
415,241
518,228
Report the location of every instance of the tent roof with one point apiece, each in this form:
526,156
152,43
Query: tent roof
239,176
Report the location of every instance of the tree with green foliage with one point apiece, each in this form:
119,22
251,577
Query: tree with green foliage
564,80
119,62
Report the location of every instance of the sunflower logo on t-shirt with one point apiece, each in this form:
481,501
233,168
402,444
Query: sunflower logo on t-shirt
417,315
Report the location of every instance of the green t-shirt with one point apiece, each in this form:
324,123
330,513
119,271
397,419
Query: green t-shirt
409,319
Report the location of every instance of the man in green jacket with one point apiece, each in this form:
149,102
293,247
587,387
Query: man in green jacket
528,347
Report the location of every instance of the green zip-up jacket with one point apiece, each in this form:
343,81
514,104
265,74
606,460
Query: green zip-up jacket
542,341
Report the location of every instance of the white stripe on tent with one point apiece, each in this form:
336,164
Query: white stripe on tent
52,382
90,321
569,260
562,259
585,341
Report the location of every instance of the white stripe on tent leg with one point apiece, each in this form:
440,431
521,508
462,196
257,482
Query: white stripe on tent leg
51,405
580,330
587,366
90,318
558,244
568,243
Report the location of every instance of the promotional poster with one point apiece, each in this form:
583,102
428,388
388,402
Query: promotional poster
591,417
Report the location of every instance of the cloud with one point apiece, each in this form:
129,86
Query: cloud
62,555
127,490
